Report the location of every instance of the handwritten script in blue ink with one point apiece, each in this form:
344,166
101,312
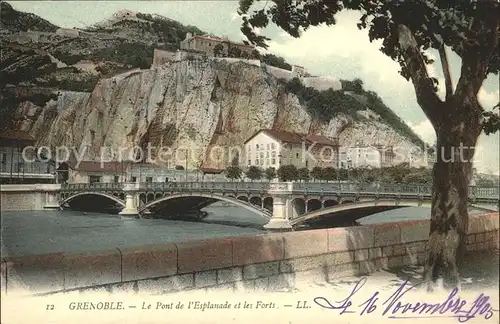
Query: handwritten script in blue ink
395,307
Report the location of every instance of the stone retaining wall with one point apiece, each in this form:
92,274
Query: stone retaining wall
262,262
24,197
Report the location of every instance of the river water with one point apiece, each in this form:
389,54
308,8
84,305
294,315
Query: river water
38,232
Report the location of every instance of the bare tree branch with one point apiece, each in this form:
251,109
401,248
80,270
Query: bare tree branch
424,87
446,72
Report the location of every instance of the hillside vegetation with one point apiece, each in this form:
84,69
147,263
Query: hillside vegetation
16,21
328,104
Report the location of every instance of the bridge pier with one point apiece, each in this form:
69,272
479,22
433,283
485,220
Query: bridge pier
130,210
51,200
281,205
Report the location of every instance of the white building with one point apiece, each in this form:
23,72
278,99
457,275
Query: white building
360,157
271,148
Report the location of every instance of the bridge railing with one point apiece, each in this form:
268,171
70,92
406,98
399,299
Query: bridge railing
208,186
479,192
92,186
306,187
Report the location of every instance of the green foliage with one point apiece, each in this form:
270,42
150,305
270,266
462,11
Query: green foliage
234,52
303,174
218,50
325,104
483,181
399,174
254,173
492,120
355,85
132,54
377,105
233,172
14,20
317,173
276,61
83,84
288,173
270,173
167,30
329,174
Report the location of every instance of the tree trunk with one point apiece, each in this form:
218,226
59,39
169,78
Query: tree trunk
457,135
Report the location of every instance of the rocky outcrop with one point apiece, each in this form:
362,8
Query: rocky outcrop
110,86
199,103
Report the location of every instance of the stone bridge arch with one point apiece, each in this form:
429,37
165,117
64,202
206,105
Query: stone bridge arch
374,206
262,212
89,193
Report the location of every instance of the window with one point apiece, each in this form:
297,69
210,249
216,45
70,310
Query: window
134,179
307,163
273,154
261,162
249,162
261,155
4,157
149,179
257,146
166,179
267,154
268,146
273,145
94,179
257,162
20,167
116,179
273,161
297,155
267,161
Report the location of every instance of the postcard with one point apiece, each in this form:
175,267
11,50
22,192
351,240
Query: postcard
249,161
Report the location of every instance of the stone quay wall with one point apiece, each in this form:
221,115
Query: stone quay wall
28,197
267,262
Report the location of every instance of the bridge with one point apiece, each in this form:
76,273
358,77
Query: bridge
284,205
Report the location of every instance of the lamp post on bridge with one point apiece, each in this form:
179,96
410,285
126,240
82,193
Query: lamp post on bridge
186,166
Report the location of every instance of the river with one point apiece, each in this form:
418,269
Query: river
38,232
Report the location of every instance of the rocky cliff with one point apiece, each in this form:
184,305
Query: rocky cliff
196,102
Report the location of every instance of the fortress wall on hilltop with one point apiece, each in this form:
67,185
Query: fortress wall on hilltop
322,83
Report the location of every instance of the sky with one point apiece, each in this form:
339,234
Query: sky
342,51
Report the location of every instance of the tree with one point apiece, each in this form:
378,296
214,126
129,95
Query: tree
234,52
343,174
288,173
408,28
234,171
270,173
254,173
218,50
303,174
255,54
329,174
317,173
